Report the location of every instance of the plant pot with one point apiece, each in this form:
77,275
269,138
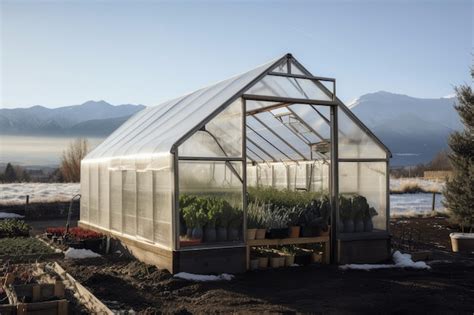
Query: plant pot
302,259
368,225
254,264
281,261
294,231
232,234
359,226
197,233
95,245
251,233
275,262
190,242
462,242
262,262
210,234
277,233
221,234
317,257
340,226
260,234
77,245
349,226
326,232
289,260
189,232
307,231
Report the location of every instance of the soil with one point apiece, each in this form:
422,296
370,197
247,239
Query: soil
124,283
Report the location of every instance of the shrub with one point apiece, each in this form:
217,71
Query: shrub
12,228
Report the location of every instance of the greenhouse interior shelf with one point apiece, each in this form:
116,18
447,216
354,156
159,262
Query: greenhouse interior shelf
263,170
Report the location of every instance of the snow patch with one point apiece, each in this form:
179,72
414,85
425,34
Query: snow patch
400,261
6,215
75,253
203,278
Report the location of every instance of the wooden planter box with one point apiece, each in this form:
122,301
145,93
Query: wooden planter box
45,298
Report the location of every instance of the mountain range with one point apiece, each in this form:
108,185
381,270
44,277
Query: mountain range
414,129
92,118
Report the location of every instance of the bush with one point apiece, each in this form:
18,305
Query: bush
13,228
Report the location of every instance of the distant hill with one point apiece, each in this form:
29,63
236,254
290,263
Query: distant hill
89,119
414,129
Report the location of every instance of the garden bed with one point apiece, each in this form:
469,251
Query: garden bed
26,249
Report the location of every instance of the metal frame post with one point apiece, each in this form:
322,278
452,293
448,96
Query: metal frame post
334,184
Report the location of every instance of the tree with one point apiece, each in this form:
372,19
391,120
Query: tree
459,191
10,174
71,160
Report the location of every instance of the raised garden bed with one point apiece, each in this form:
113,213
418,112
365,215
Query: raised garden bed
26,249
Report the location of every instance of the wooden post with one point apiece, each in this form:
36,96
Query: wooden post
433,202
27,203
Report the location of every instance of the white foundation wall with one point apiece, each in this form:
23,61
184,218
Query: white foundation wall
132,196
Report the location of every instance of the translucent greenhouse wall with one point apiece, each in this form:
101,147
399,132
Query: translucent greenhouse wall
130,196
368,179
209,179
309,176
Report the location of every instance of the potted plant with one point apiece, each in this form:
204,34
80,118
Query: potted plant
277,223
294,219
368,223
235,223
289,252
253,218
276,259
195,217
317,257
223,219
359,209
346,215
310,218
302,256
213,208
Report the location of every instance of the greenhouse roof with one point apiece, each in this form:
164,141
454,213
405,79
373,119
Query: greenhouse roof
158,130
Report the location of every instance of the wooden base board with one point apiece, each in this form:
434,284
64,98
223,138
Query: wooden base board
215,260
363,251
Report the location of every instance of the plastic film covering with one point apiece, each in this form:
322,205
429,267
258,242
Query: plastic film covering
85,192
156,129
279,86
310,176
213,180
354,142
129,196
368,179
221,137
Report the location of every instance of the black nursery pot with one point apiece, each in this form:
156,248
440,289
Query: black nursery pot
77,245
310,231
277,233
95,245
302,259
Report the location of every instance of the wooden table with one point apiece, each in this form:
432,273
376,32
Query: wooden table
290,241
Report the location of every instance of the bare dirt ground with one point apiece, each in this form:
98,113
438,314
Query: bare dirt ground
123,283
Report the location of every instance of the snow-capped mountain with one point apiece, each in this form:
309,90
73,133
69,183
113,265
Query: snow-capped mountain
73,120
414,129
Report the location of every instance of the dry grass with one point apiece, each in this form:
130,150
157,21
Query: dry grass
415,185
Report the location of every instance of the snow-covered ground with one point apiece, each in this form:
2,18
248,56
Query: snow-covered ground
414,204
398,184
38,192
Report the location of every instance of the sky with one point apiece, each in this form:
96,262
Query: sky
58,53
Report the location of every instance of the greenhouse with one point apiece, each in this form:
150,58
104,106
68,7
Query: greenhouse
269,160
